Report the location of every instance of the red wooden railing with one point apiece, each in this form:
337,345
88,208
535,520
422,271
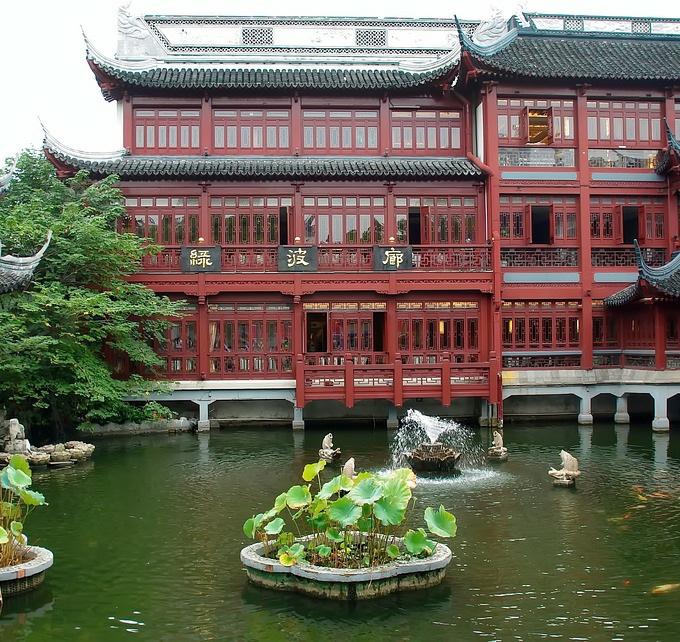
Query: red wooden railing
539,257
469,258
625,257
350,382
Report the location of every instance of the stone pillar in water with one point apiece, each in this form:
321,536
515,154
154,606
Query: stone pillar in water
660,423
298,419
622,431
660,441
585,416
621,415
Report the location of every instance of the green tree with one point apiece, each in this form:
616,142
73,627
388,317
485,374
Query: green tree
57,338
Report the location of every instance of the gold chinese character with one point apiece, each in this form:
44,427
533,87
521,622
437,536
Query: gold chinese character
393,257
200,258
297,257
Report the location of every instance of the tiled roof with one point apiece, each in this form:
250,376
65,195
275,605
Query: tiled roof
580,56
152,74
665,280
190,167
667,158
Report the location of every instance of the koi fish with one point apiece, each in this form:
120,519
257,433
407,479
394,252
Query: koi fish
662,589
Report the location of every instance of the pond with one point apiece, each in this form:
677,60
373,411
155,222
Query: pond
147,535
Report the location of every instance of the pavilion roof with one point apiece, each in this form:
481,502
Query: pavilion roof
268,168
530,52
661,281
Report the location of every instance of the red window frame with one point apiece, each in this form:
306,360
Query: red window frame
247,340
166,130
513,120
341,131
427,329
251,131
630,123
426,132
540,325
606,220
243,221
516,222
179,347
338,220
170,221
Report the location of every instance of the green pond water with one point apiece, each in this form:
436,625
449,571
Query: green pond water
146,539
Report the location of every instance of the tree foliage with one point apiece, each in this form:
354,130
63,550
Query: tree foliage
57,337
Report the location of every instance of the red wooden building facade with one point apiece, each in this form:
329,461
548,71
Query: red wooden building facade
401,231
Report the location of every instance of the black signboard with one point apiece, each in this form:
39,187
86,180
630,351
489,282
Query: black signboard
391,259
201,259
294,258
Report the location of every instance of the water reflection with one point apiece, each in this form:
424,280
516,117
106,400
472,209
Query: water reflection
146,540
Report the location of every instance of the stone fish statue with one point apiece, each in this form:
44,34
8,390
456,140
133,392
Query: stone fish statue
348,468
497,452
568,473
327,452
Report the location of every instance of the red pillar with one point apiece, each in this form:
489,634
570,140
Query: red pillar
203,334
585,259
296,222
384,142
490,110
349,380
128,125
296,126
206,135
203,217
391,331
673,241
390,216
659,335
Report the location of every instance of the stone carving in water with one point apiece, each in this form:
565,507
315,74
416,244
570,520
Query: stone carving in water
497,452
327,452
565,476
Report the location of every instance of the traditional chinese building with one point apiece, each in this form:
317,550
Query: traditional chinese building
387,213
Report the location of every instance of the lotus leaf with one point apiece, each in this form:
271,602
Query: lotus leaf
393,551
440,522
397,492
292,555
323,550
365,524
319,522
275,526
388,513
312,470
280,502
3,536
344,511
32,497
334,535
367,491
19,462
335,485
17,528
416,542
298,497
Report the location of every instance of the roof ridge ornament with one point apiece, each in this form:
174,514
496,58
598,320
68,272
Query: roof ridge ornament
495,40
56,147
129,25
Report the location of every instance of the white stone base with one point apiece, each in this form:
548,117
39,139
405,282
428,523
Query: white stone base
565,483
203,426
661,424
621,418
585,419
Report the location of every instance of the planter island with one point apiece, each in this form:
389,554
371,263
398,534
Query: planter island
27,575
357,549
346,583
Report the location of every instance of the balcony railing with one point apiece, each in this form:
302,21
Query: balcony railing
394,381
543,360
625,256
539,257
474,258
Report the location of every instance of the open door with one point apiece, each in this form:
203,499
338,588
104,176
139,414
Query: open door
632,226
542,232
317,332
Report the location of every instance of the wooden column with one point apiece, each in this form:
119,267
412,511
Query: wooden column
391,331
206,133
203,338
585,259
128,125
296,126
204,217
390,216
659,335
385,137
495,345
296,222
298,349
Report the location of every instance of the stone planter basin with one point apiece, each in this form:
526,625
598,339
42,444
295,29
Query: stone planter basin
28,575
346,584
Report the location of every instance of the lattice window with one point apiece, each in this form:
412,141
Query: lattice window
540,325
573,24
328,132
641,26
167,130
614,123
258,36
347,220
371,37
251,131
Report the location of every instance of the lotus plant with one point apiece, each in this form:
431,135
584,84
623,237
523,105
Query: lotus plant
17,502
353,521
